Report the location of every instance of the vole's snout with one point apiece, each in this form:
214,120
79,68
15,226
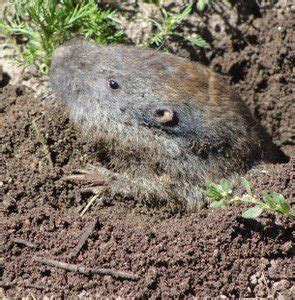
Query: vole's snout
166,116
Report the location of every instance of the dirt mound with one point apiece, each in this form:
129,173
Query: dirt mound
208,253
260,60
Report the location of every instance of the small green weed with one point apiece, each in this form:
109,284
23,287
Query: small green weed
201,4
45,24
222,194
166,28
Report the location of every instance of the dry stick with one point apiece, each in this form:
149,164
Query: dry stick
83,239
7,104
10,284
6,284
42,141
84,270
265,282
24,242
92,200
34,286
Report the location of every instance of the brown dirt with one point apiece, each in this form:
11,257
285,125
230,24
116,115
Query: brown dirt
260,60
206,253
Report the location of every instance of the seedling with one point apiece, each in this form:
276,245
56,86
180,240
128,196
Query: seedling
223,194
44,24
167,28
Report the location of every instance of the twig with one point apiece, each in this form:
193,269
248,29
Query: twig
265,282
83,239
84,270
10,284
6,284
34,286
24,242
42,141
6,104
90,202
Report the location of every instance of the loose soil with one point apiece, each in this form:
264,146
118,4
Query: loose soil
206,253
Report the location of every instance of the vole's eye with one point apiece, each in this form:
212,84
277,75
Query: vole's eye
113,84
166,116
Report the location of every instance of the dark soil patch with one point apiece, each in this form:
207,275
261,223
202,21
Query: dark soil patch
206,253
261,65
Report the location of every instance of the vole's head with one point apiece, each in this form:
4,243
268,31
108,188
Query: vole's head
122,81
130,91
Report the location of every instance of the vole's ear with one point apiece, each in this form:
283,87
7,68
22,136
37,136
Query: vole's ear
166,116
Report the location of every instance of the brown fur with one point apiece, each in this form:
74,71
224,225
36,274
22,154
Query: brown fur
216,136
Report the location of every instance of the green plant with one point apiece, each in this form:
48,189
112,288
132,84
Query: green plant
223,194
166,28
44,24
201,4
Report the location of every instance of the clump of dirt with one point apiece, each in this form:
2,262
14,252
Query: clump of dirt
207,253
260,60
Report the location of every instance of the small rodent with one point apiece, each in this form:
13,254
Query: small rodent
167,124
